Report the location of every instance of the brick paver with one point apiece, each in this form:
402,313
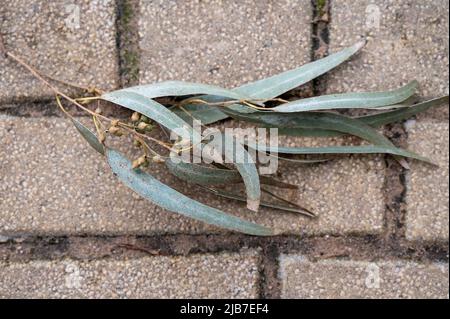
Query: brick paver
407,40
225,43
225,275
427,186
53,183
73,41
302,278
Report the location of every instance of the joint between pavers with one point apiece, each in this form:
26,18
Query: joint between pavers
320,39
26,248
127,41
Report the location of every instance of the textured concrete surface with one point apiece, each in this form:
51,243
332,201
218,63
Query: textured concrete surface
302,278
428,187
226,43
73,41
53,183
407,40
225,275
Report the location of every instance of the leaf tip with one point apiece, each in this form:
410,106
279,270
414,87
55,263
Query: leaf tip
253,204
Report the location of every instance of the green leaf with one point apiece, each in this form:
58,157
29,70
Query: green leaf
180,88
280,207
162,195
153,110
323,121
381,119
374,120
204,175
89,136
171,121
363,149
276,85
349,100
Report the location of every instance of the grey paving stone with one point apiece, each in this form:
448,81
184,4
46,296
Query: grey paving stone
73,41
53,183
428,187
226,43
225,275
409,42
332,278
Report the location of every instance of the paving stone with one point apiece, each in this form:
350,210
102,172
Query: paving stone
225,275
409,42
333,278
73,41
226,43
53,183
428,187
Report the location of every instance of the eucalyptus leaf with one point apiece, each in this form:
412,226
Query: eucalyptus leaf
374,120
276,85
349,100
171,121
162,195
89,136
324,121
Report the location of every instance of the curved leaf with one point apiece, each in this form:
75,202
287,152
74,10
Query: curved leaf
89,136
171,121
162,195
324,121
180,88
374,120
278,84
349,100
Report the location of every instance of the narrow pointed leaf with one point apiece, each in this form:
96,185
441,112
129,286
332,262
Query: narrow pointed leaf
171,121
89,136
281,83
180,88
374,120
154,110
240,198
162,195
349,100
324,121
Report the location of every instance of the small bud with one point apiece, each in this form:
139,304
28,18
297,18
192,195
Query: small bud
136,143
158,159
101,137
114,130
144,119
114,122
98,110
142,126
135,117
139,162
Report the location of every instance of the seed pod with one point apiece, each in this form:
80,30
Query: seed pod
135,117
145,119
114,130
136,143
139,162
158,159
101,137
114,122
142,126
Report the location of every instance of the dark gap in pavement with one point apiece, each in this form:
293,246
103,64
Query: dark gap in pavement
320,38
367,248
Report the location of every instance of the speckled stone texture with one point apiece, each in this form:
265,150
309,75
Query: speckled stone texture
409,42
53,183
226,43
332,278
50,36
428,187
225,275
